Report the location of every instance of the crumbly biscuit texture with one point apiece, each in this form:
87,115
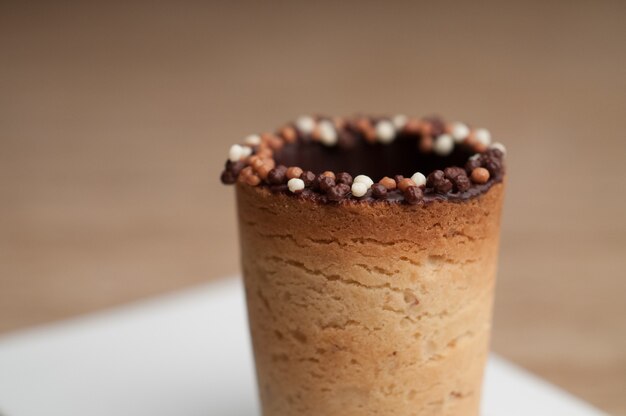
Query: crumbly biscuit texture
369,309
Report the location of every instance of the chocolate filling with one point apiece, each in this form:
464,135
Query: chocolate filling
376,160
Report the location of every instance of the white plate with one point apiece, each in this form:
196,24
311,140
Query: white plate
185,354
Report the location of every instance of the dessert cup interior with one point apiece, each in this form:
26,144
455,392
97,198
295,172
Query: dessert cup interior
401,157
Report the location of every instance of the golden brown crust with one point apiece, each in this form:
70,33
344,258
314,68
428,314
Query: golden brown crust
369,308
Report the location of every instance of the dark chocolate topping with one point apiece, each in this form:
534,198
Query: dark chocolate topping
335,154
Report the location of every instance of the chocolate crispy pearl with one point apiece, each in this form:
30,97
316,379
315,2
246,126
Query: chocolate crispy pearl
326,183
413,195
344,177
338,192
334,150
278,175
379,191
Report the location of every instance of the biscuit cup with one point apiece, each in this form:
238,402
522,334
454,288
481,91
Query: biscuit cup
371,306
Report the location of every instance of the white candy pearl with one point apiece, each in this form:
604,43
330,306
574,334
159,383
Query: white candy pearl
474,156
399,121
385,131
328,134
499,146
235,153
305,124
359,189
419,178
295,184
443,145
459,132
364,179
252,140
482,136
246,151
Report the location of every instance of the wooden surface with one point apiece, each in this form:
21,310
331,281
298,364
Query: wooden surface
115,121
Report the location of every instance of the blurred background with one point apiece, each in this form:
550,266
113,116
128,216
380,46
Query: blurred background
116,118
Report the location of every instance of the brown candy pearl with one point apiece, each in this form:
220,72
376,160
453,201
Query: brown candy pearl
274,142
235,167
264,152
479,147
474,144
364,125
453,172
228,177
247,171
344,177
405,183
426,144
413,126
461,183
316,134
388,183
433,177
413,195
480,175
329,174
444,187
426,128
263,170
458,177
248,176
256,161
496,153
472,164
270,163
492,164
278,175
308,178
437,181
338,192
379,191
326,183
245,174
289,134
252,180
294,172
